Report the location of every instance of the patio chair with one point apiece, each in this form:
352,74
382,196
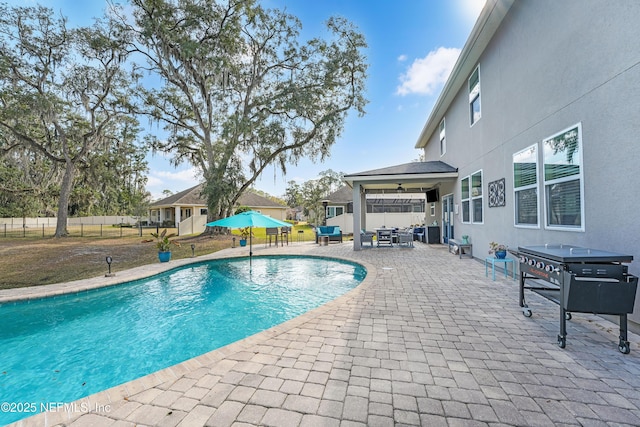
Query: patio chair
366,236
272,232
285,232
405,238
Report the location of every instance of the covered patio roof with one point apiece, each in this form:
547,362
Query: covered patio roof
414,177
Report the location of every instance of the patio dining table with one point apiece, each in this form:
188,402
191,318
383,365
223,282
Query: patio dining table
384,236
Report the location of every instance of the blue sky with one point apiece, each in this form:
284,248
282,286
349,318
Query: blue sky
412,46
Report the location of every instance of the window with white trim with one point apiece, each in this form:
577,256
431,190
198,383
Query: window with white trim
474,96
443,139
472,198
563,179
525,187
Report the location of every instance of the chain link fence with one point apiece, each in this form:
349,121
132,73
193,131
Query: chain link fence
81,230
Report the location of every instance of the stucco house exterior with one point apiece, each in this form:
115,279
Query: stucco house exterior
188,209
539,117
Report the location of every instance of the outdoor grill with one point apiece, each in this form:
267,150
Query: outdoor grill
579,280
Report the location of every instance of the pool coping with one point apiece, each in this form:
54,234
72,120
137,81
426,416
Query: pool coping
103,400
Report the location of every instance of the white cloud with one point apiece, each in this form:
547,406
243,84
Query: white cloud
427,74
174,181
184,175
402,58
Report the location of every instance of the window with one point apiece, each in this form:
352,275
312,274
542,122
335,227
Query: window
476,196
466,200
525,187
334,211
474,96
563,179
472,199
443,139
432,209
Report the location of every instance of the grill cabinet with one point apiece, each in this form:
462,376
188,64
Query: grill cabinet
579,280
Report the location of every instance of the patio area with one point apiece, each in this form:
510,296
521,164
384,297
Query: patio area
426,340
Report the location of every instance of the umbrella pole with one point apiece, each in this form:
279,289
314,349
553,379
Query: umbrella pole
250,245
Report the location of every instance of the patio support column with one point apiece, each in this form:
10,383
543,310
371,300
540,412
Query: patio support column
177,218
363,210
357,216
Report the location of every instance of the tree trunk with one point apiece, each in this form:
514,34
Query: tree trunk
63,201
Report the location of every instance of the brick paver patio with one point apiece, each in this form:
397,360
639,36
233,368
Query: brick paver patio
426,340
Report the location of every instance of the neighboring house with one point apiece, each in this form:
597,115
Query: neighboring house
188,209
391,209
539,117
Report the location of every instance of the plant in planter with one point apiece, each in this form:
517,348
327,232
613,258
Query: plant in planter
498,249
244,233
164,244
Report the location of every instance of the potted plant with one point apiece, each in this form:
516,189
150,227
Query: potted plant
244,233
164,245
498,249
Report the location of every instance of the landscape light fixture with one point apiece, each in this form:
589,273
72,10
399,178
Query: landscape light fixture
109,261
324,205
193,250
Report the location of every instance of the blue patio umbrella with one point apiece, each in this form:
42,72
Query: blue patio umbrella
248,219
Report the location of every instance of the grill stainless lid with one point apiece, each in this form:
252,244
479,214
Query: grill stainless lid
569,253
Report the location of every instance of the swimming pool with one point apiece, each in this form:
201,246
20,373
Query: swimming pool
64,348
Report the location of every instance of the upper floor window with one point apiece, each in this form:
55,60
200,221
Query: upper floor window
443,139
563,179
525,186
472,198
474,96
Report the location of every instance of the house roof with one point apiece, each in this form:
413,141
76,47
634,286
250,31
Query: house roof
343,195
193,197
488,22
412,168
254,200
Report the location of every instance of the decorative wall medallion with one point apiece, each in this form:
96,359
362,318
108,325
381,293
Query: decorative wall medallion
496,193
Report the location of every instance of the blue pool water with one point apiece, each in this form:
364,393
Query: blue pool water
64,348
